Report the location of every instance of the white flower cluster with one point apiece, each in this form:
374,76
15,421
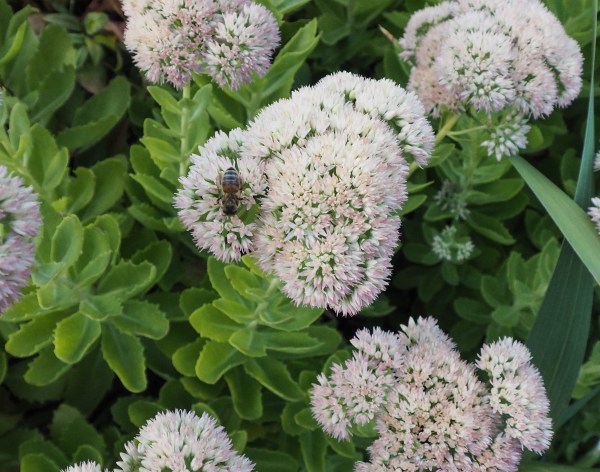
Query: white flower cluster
429,407
322,176
510,56
230,40
20,221
177,441
451,247
594,212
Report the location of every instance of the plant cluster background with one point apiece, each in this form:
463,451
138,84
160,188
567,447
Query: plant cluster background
124,317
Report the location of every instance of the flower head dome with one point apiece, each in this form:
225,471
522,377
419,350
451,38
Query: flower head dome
327,168
20,221
429,407
492,54
228,40
509,59
181,441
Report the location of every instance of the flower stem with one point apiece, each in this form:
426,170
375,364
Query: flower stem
185,118
465,131
448,125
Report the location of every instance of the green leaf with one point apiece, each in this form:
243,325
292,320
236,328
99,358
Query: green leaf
343,448
213,324
142,318
236,311
52,93
97,116
220,282
215,360
70,430
45,368
159,254
274,375
292,343
67,242
34,335
185,358
490,227
125,356
271,461
506,316
164,98
572,221
246,394
80,189
109,178
100,307
48,449
497,191
159,193
241,279
85,452
94,259
37,463
194,298
278,81
74,336
54,52
559,336
249,342
127,279
314,448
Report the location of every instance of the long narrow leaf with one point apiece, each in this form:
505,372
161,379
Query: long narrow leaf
559,336
573,222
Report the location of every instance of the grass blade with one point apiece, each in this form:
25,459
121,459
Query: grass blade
559,336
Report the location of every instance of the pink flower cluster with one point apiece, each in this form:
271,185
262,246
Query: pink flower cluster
493,55
323,176
230,40
20,221
177,441
429,407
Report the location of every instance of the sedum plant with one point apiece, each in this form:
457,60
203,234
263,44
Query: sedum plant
129,343
430,410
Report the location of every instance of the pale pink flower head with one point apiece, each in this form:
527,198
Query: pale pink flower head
200,201
336,165
167,37
597,162
228,40
517,393
241,45
436,415
20,221
594,212
507,56
429,407
328,223
493,54
87,466
181,441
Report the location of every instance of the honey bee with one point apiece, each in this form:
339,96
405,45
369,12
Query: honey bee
231,184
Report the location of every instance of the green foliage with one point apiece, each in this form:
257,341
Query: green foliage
124,317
